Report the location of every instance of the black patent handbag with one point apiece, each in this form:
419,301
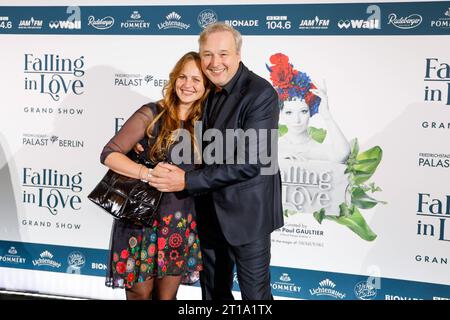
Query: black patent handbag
127,198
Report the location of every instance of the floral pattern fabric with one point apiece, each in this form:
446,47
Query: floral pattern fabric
169,247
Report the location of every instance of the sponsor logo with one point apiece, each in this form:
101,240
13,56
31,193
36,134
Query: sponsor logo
136,22
442,23
285,277
395,297
73,22
12,250
5,23
30,24
285,284
137,80
434,160
278,22
76,261
409,22
98,266
44,140
135,15
276,18
12,257
51,189
327,288
173,22
359,24
440,298
206,17
371,23
46,259
101,24
53,75
314,24
365,291
242,23
432,213
437,73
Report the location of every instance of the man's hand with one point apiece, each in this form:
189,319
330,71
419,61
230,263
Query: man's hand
167,178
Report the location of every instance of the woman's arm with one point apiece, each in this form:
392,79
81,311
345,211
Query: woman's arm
114,152
340,147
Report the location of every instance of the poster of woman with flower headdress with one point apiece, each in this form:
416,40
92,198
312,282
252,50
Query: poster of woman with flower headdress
316,164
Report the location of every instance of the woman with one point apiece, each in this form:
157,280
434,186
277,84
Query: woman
299,101
166,254
297,142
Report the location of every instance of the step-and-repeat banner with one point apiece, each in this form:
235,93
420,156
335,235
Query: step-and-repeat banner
365,168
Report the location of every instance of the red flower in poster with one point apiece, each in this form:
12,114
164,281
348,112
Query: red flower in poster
121,267
279,58
284,95
291,83
130,277
281,72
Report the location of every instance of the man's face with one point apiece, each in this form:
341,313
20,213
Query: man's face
219,57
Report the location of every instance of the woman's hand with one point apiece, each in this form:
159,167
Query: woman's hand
321,92
138,148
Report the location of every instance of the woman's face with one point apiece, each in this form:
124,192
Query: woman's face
189,85
295,115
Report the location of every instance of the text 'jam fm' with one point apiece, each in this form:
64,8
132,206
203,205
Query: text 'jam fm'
51,189
53,75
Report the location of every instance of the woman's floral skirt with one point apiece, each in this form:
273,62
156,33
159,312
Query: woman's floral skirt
169,247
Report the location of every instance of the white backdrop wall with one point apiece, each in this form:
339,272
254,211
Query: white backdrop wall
388,87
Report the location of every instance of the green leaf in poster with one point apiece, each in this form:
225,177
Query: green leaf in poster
373,188
319,215
317,134
282,130
354,148
352,157
362,200
366,164
355,222
344,210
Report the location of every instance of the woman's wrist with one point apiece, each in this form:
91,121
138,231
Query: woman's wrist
143,173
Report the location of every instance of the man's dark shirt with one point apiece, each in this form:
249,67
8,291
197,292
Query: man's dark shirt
217,97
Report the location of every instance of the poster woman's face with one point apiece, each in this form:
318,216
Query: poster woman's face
295,115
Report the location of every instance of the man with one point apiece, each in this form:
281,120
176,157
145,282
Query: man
237,206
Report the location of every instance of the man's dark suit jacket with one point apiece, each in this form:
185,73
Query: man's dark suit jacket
247,204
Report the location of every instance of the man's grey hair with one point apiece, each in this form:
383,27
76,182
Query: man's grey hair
218,27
